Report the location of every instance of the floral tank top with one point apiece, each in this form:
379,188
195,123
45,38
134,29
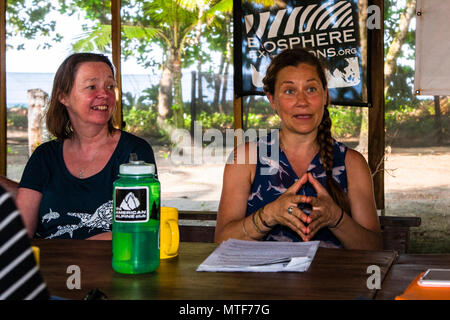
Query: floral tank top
274,175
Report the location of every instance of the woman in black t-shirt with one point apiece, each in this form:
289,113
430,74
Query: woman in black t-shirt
66,187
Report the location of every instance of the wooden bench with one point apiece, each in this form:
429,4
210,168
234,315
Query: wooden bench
396,232
199,226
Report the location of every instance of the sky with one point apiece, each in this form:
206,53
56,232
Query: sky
32,60
47,61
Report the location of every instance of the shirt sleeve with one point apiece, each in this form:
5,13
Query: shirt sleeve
35,173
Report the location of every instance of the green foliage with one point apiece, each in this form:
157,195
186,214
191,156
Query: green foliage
146,100
139,112
17,117
140,120
400,91
416,125
399,115
28,19
215,120
98,37
400,85
168,24
346,121
94,9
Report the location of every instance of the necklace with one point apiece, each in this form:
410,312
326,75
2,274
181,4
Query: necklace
86,162
81,172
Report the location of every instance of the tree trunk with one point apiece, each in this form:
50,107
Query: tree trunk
37,131
228,58
199,83
178,109
395,46
198,35
164,92
223,99
437,119
218,84
165,100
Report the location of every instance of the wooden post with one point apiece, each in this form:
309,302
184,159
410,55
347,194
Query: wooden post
3,146
116,56
237,108
38,102
193,101
437,119
376,143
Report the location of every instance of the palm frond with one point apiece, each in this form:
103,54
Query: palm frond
97,38
223,6
141,33
191,5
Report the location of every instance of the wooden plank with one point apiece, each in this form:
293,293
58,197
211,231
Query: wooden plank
396,238
197,233
400,221
197,215
405,269
3,141
395,230
197,230
334,274
116,54
376,143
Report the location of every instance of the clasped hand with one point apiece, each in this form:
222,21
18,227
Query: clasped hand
325,212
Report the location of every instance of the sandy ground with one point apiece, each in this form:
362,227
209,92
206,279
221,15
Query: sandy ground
417,183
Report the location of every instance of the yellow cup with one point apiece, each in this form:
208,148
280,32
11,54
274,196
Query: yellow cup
36,253
169,233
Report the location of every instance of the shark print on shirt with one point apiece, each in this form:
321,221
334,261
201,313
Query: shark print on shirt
101,219
273,178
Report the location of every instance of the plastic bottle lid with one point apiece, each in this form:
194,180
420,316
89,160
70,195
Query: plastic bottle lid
137,168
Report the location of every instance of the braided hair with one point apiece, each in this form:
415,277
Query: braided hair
326,143
294,57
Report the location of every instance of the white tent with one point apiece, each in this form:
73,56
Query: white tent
432,71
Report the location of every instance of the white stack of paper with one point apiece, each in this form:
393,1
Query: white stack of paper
260,256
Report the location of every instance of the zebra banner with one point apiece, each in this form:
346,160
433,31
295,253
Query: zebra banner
328,28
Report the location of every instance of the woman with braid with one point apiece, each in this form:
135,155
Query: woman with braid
306,187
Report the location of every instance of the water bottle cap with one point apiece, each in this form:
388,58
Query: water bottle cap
137,168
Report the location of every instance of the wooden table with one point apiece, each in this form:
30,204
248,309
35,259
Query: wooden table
334,274
406,269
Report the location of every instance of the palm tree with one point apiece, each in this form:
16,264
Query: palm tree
170,24
179,24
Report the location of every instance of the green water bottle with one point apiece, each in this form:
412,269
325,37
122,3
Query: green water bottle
136,215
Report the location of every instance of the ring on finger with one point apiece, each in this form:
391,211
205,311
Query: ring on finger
289,210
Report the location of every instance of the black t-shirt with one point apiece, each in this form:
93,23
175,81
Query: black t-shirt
73,208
